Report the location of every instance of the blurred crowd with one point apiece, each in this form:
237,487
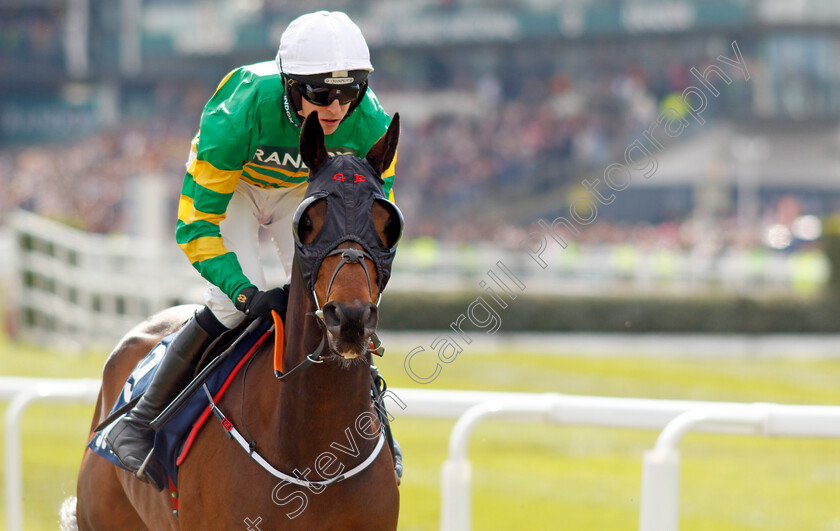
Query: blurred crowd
515,147
510,139
86,183
450,164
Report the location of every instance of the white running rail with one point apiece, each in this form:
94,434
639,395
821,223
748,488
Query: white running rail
659,509
661,469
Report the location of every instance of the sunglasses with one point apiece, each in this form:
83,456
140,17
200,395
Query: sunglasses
323,96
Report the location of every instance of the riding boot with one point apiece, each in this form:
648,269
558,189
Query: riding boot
132,437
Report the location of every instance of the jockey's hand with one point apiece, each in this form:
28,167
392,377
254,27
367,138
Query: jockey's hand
253,302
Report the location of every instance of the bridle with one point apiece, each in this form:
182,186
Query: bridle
345,200
348,256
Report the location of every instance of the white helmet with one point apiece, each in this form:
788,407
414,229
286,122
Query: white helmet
322,42
323,56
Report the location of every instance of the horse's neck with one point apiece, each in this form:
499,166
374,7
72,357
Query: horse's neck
316,405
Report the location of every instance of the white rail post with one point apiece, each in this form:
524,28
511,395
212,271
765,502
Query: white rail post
456,474
456,495
659,510
660,498
67,392
14,461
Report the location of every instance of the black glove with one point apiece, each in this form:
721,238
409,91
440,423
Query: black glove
253,302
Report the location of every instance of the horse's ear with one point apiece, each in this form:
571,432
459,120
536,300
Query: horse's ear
382,153
313,153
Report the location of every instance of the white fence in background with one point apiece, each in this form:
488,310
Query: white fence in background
659,510
72,286
659,500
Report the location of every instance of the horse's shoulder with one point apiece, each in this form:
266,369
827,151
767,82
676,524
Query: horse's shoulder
141,339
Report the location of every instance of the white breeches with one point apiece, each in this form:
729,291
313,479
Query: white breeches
249,208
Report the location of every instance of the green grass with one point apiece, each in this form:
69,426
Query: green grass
528,476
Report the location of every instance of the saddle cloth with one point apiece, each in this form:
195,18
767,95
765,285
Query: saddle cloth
172,442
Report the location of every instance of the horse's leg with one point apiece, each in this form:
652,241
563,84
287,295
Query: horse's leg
154,508
102,503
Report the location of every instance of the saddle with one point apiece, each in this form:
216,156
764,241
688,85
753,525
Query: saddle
178,425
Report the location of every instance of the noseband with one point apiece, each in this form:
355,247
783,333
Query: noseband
348,256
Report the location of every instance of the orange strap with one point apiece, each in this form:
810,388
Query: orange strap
279,338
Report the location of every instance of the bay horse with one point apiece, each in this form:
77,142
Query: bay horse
299,421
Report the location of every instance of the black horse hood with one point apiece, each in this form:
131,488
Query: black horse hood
351,186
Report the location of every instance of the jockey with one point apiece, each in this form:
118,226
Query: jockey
244,171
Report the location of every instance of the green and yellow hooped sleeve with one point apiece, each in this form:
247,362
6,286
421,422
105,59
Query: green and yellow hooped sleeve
214,169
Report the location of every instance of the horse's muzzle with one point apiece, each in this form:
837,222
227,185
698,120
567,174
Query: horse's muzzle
350,326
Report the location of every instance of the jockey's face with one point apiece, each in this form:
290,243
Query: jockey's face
329,115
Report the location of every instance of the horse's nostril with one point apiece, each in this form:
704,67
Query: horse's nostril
370,318
332,316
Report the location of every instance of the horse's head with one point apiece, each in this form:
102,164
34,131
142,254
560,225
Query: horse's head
346,233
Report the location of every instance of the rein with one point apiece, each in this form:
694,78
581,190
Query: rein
311,358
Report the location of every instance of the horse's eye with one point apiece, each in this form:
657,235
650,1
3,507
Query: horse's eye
306,222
